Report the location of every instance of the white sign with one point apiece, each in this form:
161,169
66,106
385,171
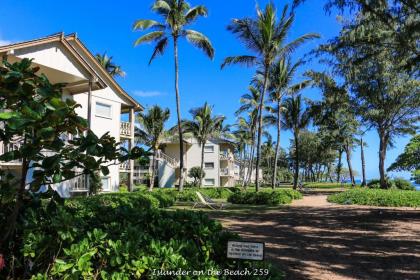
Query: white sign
245,250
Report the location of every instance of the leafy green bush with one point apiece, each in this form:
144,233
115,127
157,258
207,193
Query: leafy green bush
265,197
117,236
377,197
397,183
403,184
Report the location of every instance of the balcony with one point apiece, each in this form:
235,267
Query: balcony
125,129
5,148
224,155
226,172
125,166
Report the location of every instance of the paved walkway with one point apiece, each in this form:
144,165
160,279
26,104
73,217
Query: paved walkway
314,239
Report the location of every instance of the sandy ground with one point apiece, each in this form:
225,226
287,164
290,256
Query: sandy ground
314,239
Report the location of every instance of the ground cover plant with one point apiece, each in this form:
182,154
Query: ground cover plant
265,197
377,197
117,236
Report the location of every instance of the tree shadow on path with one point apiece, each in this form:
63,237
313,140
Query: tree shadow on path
335,242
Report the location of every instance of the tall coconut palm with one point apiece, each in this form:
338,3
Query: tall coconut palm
107,63
265,36
247,126
281,75
203,126
177,14
151,131
242,139
295,118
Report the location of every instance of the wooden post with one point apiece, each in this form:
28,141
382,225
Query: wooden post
131,146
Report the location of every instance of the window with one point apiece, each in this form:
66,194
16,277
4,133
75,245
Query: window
208,182
103,110
209,165
208,149
106,183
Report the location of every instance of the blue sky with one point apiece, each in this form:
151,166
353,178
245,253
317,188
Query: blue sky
105,26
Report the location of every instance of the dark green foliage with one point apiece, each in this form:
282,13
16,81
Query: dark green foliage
196,173
402,184
116,236
377,197
265,197
397,183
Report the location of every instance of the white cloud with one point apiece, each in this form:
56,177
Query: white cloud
4,42
141,93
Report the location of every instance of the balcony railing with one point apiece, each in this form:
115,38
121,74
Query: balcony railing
125,129
226,172
125,166
5,148
226,156
172,161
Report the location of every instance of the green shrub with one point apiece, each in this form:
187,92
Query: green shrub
117,236
265,197
403,184
397,183
377,197
123,188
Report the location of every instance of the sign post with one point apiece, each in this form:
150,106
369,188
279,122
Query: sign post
245,250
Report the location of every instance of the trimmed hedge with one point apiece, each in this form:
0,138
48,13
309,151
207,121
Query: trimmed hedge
265,197
117,236
189,194
377,197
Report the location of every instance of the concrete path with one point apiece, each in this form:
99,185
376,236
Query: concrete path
315,239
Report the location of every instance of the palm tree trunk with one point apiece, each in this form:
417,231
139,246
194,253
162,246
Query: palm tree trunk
383,142
260,124
276,156
178,111
202,164
339,164
348,158
362,155
152,177
296,175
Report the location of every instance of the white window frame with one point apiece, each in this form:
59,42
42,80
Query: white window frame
209,146
211,184
104,104
205,167
109,183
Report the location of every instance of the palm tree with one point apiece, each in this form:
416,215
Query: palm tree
295,118
151,131
107,63
265,36
203,126
177,14
281,76
246,132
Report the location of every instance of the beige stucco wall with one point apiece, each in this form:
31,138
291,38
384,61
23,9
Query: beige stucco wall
61,65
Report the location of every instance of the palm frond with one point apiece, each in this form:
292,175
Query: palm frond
149,37
143,24
292,46
245,60
162,7
200,41
194,12
159,49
